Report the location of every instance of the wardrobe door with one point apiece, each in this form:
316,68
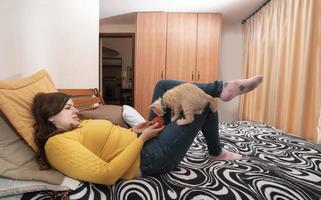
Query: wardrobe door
149,57
181,46
208,47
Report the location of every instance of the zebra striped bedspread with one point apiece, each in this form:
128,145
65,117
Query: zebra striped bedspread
275,165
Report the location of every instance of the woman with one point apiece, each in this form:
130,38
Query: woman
98,151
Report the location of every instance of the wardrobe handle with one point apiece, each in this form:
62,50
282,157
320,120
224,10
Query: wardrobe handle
162,75
192,75
198,76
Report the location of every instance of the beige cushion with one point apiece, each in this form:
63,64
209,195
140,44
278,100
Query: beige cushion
18,161
111,113
16,99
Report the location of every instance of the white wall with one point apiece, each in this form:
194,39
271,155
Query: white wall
231,67
59,36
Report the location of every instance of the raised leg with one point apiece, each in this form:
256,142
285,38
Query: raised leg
210,130
234,88
163,153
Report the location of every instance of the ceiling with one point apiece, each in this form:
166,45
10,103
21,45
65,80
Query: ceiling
122,11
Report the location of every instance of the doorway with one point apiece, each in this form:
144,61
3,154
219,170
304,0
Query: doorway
116,68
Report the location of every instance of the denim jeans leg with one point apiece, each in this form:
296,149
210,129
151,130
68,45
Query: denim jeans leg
214,89
172,143
210,130
164,152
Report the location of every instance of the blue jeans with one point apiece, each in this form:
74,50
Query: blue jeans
164,152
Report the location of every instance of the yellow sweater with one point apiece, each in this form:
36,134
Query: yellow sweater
97,152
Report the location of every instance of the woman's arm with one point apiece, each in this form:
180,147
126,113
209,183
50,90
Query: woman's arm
75,160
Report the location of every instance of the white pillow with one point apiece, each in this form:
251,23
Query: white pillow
9,187
131,116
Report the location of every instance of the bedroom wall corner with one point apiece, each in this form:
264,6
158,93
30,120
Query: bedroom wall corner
231,67
58,36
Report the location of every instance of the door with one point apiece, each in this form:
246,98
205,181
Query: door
116,66
150,57
181,46
208,45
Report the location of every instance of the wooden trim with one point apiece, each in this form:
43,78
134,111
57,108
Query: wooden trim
85,101
78,92
116,35
84,98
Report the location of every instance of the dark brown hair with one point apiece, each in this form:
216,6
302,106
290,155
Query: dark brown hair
46,105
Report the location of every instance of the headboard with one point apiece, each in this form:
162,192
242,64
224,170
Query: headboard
84,99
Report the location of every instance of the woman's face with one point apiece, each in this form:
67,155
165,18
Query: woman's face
67,119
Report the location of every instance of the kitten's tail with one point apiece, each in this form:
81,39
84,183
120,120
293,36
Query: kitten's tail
213,103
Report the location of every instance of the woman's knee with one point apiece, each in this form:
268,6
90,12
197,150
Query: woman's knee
160,84
167,84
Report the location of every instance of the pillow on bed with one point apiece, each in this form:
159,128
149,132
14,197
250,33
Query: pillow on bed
16,98
131,116
9,187
111,113
18,161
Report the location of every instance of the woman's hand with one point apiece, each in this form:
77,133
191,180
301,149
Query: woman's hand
139,128
150,132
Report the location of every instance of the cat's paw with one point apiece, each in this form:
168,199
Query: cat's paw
174,118
182,122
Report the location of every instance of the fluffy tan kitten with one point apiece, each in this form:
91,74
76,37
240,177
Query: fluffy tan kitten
185,97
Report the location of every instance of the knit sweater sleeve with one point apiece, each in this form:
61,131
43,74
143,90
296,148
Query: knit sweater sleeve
75,160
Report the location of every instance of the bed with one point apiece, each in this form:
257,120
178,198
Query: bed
276,165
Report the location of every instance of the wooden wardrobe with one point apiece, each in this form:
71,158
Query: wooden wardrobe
182,46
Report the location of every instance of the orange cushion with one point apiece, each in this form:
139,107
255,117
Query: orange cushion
16,99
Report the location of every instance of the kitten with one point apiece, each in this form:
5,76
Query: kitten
185,97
